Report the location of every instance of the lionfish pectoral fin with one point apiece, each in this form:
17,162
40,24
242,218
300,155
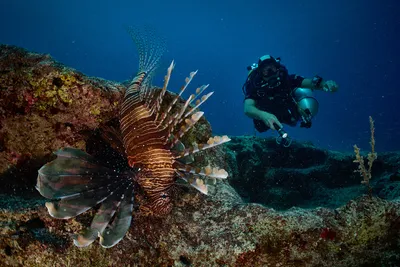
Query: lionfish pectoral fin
110,208
121,223
73,171
76,182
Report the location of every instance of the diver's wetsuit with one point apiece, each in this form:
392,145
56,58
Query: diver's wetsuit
277,101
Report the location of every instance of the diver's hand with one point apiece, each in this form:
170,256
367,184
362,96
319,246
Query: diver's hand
270,119
329,86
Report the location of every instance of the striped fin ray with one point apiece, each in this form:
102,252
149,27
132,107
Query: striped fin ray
189,123
103,216
111,221
212,142
72,172
198,104
121,223
178,118
150,47
200,90
183,88
164,89
200,178
198,184
174,118
208,171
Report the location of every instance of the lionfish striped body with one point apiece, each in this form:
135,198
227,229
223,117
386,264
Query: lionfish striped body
144,141
149,136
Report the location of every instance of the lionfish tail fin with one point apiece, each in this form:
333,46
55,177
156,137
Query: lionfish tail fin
150,46
77,182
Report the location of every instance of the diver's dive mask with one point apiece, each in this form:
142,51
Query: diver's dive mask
269,70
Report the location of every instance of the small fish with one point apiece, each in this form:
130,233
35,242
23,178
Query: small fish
149,140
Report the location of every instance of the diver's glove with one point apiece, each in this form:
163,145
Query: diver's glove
329,86
283,139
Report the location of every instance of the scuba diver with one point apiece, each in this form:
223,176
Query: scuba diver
273,97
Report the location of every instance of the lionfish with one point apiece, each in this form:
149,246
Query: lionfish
149,138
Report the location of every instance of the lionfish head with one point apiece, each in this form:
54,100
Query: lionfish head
160,204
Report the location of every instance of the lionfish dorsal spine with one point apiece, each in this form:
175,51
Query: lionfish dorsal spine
212,142
183,88
189,123
198,103
167,77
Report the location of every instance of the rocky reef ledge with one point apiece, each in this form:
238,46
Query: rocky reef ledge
302,206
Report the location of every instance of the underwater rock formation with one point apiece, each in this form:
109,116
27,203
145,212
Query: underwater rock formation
216,231
304,175
45,105
39,116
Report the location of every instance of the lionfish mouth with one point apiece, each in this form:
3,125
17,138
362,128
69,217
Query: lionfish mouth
149,139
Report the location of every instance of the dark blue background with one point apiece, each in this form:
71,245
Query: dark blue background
352,42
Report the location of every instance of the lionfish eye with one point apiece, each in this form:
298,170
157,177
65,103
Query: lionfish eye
164,195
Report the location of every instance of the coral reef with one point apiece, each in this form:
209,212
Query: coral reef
217,231
304,175
45,106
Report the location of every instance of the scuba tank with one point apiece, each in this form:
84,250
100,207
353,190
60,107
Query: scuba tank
307,105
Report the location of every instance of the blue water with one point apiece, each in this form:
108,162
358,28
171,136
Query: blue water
353,42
